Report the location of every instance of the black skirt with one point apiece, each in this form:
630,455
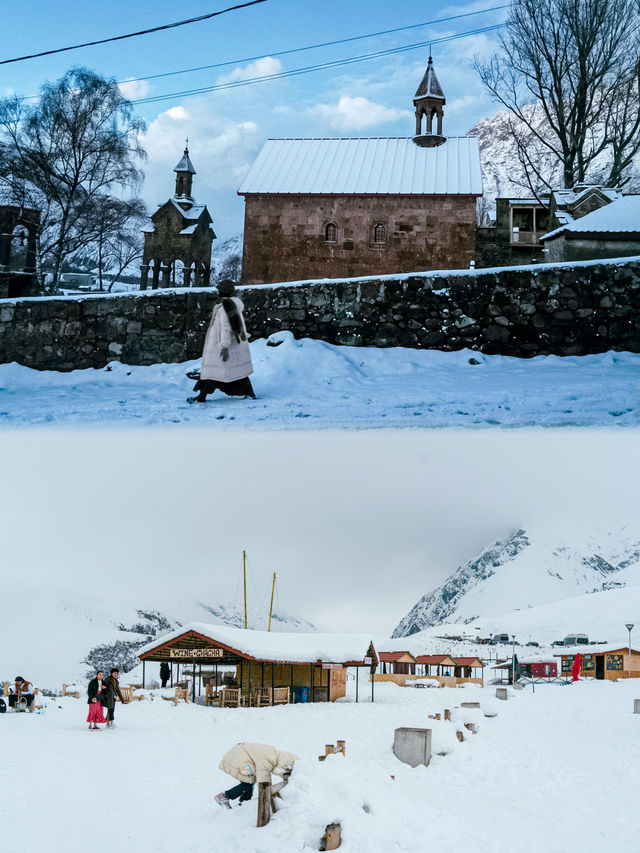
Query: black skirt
239,388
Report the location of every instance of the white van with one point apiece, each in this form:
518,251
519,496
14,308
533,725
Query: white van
576,640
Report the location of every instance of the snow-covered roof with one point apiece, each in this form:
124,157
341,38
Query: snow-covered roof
621,216
192,212
392,657
382,165
185,164
269,646
429,85
189,229
604,649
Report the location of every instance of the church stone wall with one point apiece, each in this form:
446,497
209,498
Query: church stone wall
284,235
520,312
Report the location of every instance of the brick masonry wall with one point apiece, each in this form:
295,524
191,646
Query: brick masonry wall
284,236
520,312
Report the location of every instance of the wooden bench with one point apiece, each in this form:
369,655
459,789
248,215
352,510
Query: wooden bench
231,697
180,693
73,692
281,696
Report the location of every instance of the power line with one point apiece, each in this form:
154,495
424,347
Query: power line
132,35
308,69
313,46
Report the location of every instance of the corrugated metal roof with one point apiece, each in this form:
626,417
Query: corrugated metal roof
381,165
621,216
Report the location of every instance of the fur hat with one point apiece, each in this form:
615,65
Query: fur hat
226,287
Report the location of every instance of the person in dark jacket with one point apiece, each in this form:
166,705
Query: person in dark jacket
96,693
113,690
165,673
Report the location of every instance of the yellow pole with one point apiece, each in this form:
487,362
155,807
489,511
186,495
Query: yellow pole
244,578
273,586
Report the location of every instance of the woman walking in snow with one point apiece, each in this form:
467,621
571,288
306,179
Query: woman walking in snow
97,693
226,360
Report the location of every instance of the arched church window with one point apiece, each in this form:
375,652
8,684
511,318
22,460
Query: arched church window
330,233
379,233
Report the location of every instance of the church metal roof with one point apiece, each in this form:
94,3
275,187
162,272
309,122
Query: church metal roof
185,165
621,216
379,165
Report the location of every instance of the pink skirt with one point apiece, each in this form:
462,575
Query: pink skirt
96,714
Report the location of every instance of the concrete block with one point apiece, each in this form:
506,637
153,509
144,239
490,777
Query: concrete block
469,704
412,746
636,706
501,692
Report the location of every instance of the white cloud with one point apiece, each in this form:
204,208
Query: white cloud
355,113
134,89
260,68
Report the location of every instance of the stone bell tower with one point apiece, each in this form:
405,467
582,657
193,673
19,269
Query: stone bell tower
429,101
184,175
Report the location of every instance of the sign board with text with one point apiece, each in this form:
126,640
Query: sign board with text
190,654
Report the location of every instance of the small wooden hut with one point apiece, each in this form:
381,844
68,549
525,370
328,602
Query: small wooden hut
313,666
603,663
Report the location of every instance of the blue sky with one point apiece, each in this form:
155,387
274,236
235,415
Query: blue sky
227,128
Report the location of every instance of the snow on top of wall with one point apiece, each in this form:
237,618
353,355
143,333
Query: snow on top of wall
383,165
266,645
403,276
621,216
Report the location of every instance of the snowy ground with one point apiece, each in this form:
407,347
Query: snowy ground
312,384
555,771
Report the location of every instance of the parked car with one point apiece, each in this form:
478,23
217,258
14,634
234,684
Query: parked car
533,643
500,638
576,640
558,643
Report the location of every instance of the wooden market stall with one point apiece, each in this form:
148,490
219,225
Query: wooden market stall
402,667
603,663
267,665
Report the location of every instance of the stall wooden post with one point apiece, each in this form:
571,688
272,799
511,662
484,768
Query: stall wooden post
264,803
357,671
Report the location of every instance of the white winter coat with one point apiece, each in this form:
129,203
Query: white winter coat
255,762
220,335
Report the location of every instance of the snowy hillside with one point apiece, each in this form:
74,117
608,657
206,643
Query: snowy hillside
70,634
527,570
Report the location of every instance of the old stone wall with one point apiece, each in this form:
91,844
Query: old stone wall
285,235
522,312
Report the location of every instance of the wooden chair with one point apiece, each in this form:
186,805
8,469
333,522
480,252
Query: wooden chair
180,693
127,694
231,697
211,695
261,696
281,696
67,692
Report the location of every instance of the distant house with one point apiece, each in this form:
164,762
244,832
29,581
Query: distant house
337,207
611,231
608,663
516,236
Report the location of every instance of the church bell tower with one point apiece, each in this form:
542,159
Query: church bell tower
184,175
429,101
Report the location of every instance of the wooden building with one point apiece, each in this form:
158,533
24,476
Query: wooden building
402,667
340,207
313,666
603,663
178,238
397,663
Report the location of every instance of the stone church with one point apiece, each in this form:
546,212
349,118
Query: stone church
178,238
341,207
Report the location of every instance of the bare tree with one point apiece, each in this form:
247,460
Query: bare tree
79,141
568,73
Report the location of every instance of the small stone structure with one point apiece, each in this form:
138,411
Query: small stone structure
501,692
412,746
532,311
19,225
178,238
636,706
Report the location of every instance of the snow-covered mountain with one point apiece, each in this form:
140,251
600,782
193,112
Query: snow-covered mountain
502,173
526,570
226,259
67,635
